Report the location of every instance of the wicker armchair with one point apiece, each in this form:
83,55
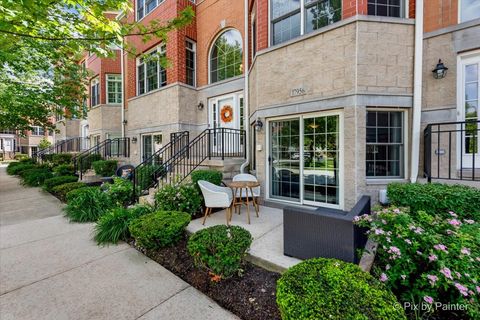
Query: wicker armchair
216,197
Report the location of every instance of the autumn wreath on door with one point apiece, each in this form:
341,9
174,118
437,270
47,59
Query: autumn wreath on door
227,114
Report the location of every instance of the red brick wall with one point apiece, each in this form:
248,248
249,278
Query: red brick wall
167,10
99,67
439,14
210,14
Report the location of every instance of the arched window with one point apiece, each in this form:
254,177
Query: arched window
226,56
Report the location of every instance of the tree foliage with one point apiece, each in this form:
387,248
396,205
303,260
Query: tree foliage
41,42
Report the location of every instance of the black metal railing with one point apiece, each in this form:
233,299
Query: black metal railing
451,151
147,174
109,148
76,144
176,167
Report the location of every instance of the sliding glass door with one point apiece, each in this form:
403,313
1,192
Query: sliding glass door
304,159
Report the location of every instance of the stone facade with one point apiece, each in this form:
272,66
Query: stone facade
105,120
354,65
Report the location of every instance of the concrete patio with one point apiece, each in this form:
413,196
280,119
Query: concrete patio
267,231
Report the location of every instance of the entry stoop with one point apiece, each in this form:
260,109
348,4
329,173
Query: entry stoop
229,167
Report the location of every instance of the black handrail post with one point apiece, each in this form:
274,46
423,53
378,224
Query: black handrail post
223,143
428,152
209,143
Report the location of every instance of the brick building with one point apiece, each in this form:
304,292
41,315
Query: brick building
335,95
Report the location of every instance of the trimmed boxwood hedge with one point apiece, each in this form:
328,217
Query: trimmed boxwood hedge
56,181
16,168
105,168
62,158
213,176
62,190
436,198
64,170
220,249
332,289
159,229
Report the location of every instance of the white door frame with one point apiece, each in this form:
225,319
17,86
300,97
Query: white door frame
236,108
300,117
462,61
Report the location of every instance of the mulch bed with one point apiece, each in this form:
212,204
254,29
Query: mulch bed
250,296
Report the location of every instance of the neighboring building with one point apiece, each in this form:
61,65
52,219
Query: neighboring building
30,140
328,90
8,143
452,34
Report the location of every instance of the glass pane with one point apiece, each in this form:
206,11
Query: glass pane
470,9
226,57
471,91
282,7
471,73
321,13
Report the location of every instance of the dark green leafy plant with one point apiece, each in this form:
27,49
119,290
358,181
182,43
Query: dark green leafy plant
184,198
120,191
113,226
27,160
333,289
61,190
21,156
35,177
220,249
436,198
85,162
64,170
56,181
145,176
87,204
159,229
16,168
62,158
213,176
105,168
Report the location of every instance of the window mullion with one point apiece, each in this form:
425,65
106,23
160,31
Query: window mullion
302,17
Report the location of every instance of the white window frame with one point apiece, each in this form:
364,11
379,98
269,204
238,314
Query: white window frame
403,10
94,82
194,50
223,31
162,48
157,3
341,141
116,81
36,131
406,144
462,61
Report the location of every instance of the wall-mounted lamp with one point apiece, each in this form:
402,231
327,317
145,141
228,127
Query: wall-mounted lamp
134,140
125,121
440,70
200,106
258,125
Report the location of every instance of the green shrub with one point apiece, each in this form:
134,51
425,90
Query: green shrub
56,181
212,176
105,168
85,162
113,226
48,157
425,257
64,170
21,156
184,198
87,204
436,198
16,168
159,229
144,176
61,190
120,191
220,249
62,158
27,160
333,289
35,177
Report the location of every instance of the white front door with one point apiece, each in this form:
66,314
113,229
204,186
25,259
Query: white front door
468,111
225,112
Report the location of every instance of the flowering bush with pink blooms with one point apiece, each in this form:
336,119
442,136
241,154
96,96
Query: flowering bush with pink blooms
425,258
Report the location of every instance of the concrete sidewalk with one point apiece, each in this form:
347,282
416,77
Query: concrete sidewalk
51,269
